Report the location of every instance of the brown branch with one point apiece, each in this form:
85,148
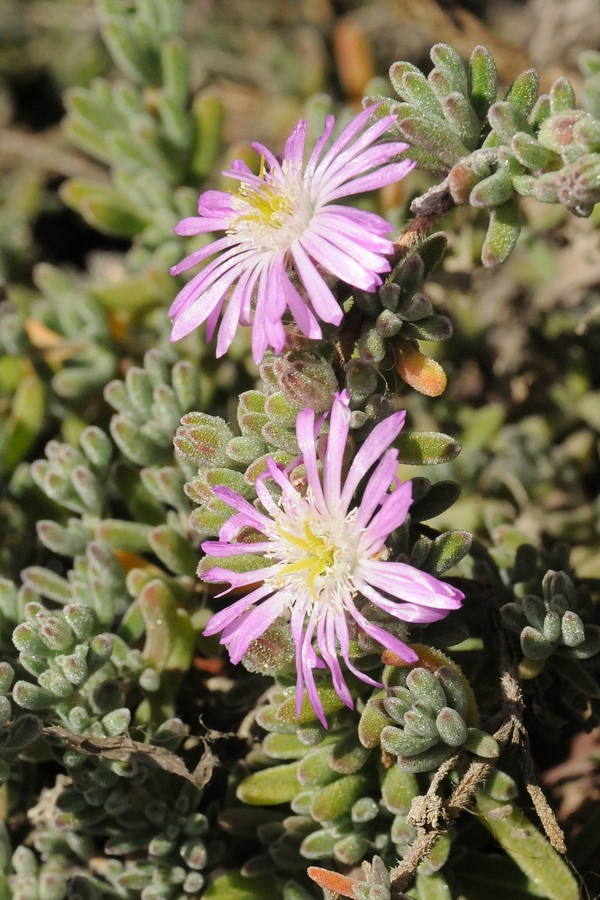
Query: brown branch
432,817
513,695
428,209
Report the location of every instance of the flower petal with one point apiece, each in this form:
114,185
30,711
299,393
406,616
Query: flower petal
223,618
255,623
324,303
392,514
334,457
305,434
407,583
376,488
381,636
375,445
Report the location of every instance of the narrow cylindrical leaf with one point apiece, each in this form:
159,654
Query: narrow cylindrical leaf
451,727
448,60
502,234
462,118
428,760
80,619
100,651
453,689
25,730
70,541
96,446
535,611
412,85
351,849
7,674
482,744
116,722
418,723
573,632
552,626
483,81
562,96
47,583
530,152
401,743
270,787
534,645
434,136
336,799
398,788
30,696
523,91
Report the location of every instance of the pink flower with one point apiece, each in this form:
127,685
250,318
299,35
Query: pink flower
325,553
288,218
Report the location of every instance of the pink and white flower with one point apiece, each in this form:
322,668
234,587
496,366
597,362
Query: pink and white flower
284,228
325,553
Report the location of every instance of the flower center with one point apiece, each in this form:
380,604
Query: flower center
313,556
273,214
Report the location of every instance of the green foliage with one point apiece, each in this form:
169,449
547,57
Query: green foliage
156,146
490,150
397,316
551,627
432,710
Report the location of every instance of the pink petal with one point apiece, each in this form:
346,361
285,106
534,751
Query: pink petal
195,225
311,688
294,146
199,255
232,260
350,246
225,616
238,307
334,456
290,296
260,338
215,204
265,497
387,175
271,160
222,550
407,583
350,131
362,235
360,157
392,514
377,487
339,263
220,575
318,148
199,311
364,220
375,445
407,612
254,624
341,630
383,637
324,303
305,434
326,644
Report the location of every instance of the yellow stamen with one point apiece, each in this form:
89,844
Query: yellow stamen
318,556
269,205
